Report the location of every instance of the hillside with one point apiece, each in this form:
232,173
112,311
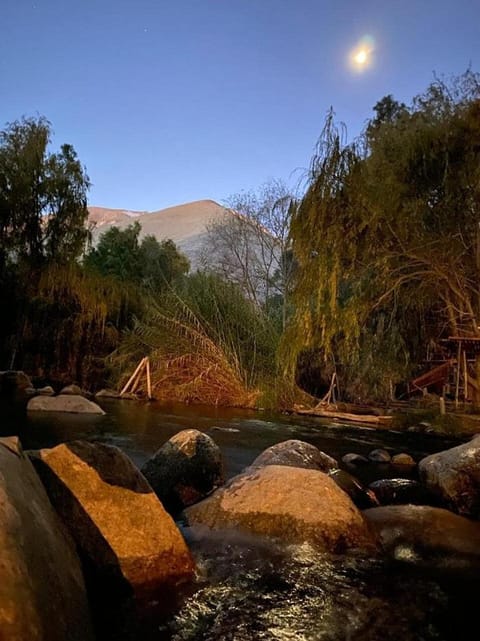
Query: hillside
185,224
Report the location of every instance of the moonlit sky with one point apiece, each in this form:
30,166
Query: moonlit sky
172,101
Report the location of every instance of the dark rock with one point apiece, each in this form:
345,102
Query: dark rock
13,383
127,539
42,592
454,476
289,504
295,453
401,491
64,403
187,468
360,495
379,456
354,460
428,536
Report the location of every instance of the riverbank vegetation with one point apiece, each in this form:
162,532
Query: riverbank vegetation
360,276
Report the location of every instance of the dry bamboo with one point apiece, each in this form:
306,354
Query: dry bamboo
465,374
149,382
132,377
457,382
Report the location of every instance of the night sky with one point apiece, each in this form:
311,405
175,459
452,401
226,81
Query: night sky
172,101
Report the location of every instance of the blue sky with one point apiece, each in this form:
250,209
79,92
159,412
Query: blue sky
167,102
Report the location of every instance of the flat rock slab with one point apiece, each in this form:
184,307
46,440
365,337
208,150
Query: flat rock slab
290,504
128,540
42,591
63,403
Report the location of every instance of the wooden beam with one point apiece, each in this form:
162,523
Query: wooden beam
132,377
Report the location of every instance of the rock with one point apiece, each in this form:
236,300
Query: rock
354,460
379,456
42,591
361,496
107,393
289,504
72,389
63,403
428,536
127,539
13,383
295,453
46,391
401,491
185,469
403,460
454,476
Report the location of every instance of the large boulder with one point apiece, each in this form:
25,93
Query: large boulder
63,403
454,476
187,468
42,591
287,503
429,536
294,453
127,539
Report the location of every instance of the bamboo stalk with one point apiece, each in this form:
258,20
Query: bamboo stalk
457,382
132,377
465,374
149,382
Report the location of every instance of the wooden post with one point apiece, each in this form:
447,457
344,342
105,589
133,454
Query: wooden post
149,382
132,377
465,374
442,405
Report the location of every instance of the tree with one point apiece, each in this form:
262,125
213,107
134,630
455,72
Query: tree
43,197
120,254
387,237
251,245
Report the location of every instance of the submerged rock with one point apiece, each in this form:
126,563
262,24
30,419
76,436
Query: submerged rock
294,453
126,537
354,460
187,468
42,592
400,491
107,393
379,456
454,476
360,495
290,504
63,403
432,536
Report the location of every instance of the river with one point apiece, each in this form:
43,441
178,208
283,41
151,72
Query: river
249,589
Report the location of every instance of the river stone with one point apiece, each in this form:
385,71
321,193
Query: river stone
454,476
107,393
289,504
425,535
63,403
187,468
294,453
72,390
403,460
379,456
360,495
125,536
42,592
400,491
46,391
354,460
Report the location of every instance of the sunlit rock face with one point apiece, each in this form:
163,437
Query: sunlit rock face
42,592
295,453
454,476
425,535
288,504
187,468
127,539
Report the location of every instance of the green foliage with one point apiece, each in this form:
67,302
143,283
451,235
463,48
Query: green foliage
120,254
43,197
387,238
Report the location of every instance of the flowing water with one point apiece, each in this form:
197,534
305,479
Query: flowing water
251,589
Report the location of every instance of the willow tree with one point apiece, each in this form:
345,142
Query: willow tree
387,238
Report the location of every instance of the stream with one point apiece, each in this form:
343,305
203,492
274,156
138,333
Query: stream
251,589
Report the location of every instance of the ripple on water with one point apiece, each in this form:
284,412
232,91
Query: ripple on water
252,590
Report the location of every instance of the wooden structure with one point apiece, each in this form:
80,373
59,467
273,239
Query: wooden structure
454,377
142,369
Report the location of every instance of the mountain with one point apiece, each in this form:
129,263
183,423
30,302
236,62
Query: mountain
185,224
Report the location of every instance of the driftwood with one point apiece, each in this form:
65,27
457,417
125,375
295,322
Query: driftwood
348,417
